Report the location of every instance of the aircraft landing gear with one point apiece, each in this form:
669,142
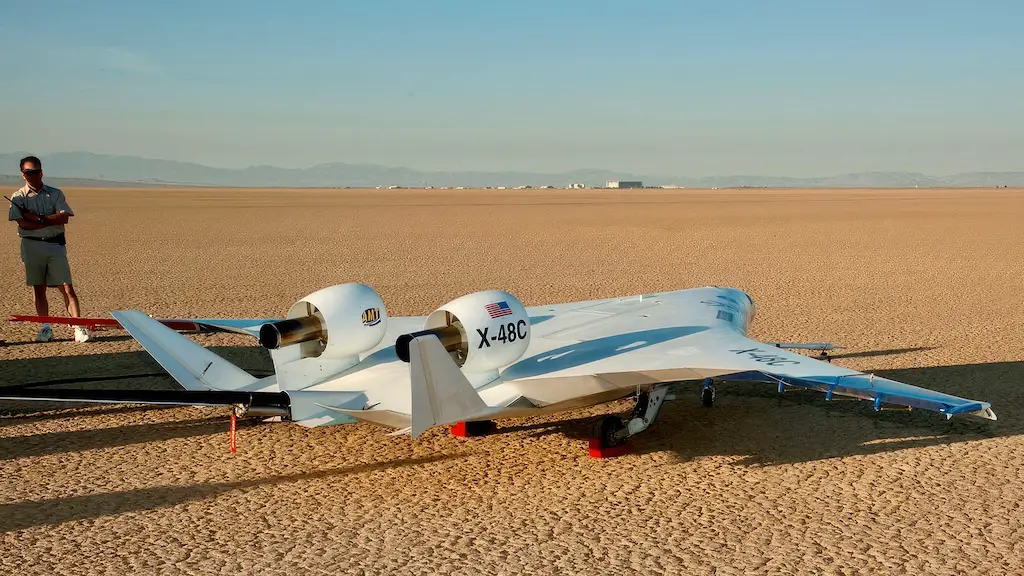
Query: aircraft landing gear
609,431
612,434
707,394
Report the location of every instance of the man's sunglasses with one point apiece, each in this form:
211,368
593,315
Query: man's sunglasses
32,171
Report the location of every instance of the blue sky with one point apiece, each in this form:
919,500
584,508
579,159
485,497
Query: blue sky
666,87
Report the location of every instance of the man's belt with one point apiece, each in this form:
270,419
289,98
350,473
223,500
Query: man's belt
58,239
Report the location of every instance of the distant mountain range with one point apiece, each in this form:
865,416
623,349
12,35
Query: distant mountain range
84,169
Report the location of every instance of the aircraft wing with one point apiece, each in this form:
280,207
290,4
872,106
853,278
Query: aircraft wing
735,357
659,343
248,326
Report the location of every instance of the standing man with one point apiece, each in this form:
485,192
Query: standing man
41,213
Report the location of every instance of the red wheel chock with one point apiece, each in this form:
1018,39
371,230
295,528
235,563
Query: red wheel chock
596,451
473,428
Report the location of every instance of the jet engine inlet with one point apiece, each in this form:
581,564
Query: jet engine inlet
293,331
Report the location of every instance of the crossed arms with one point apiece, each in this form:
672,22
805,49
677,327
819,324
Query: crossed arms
31,221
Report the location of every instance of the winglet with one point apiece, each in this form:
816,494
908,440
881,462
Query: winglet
979,409
441,394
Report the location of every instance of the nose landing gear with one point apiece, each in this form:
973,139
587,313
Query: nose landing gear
707,394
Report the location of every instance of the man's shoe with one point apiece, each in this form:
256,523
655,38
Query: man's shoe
82,334
45,334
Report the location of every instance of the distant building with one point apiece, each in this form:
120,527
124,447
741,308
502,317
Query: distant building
577,185
625,184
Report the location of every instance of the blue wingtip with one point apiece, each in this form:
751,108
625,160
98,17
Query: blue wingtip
972,407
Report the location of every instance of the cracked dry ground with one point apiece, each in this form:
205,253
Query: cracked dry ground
924,286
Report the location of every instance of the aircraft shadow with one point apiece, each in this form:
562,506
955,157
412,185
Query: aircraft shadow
122,370
749,420
754,422
86,411
113,370
890,352
49,443
30,514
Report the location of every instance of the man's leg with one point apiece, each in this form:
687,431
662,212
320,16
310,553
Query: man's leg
43,309
35,276
70,300
39,295
59,274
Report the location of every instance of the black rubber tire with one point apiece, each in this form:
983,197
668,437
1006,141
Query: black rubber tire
479,427
606,429
707,397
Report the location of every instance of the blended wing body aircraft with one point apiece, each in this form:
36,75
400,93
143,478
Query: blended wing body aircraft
339,358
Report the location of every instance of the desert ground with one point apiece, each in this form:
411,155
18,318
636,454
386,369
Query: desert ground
923,286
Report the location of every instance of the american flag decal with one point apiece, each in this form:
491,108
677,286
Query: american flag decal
498,309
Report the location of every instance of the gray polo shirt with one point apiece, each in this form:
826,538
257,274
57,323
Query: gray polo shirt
44,202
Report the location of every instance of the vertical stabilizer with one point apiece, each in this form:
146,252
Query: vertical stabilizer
192,365
441,394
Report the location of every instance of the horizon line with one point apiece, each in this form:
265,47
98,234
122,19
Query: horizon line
496,171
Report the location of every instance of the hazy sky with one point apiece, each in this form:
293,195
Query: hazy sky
671,87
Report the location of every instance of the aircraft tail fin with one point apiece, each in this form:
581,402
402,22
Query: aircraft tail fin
441,394
192,365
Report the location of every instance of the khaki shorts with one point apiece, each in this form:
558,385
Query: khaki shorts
45,263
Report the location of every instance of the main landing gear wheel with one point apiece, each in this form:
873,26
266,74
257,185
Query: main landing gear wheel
608,431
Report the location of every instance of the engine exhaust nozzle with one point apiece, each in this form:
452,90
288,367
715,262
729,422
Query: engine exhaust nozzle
293,331
450,337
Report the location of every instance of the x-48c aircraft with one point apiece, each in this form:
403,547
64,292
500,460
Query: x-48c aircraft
339,358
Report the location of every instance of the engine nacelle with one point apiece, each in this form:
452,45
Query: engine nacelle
336,322
483,331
